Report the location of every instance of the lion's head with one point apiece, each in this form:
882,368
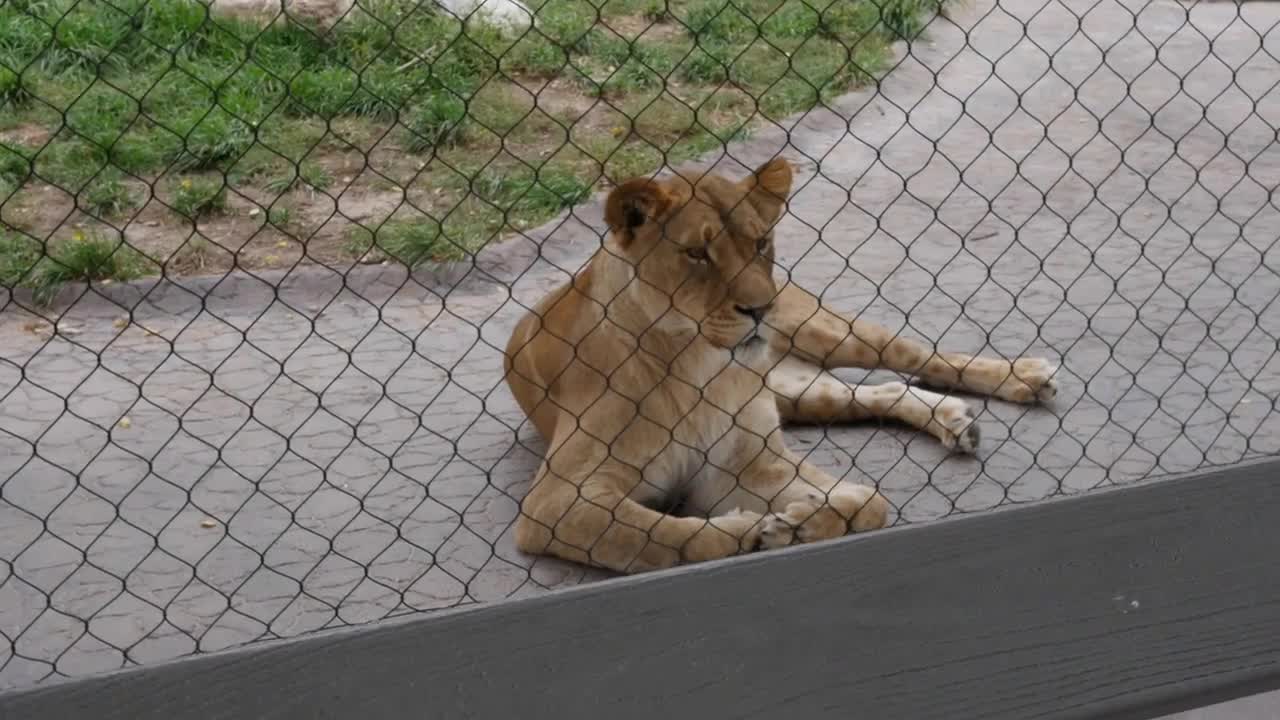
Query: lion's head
702,250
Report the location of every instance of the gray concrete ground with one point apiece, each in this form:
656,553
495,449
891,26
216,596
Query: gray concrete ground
1258,707
307,451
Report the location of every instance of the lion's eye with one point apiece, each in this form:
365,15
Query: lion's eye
697,254
763,243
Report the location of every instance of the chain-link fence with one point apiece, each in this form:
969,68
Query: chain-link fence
260,277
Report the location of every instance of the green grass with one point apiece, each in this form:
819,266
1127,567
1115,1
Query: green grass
528,196
151,88
11,90
107,195
14,167
411,242
280,216
438,120
18,256
24,263
308,175
494,201
197,197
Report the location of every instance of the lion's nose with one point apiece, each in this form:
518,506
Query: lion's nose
755,313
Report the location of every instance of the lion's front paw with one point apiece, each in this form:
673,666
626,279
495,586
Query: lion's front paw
725,535
823,516
957,427
776,531
848,507
804,521
1031,381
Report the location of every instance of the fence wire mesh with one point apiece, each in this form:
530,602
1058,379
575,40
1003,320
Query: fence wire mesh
261,264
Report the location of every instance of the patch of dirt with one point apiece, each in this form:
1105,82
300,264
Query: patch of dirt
369,178
26,134
317,228
632,27
38,210
559,98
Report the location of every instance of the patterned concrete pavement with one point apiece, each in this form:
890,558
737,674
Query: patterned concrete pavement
308,450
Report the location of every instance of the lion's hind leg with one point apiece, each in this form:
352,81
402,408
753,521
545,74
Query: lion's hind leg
807,394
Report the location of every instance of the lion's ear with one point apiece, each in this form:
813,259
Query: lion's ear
770,185
634,203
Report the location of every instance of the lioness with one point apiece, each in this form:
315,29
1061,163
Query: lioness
661,374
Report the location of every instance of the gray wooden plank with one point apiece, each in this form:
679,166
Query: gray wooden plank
1126,604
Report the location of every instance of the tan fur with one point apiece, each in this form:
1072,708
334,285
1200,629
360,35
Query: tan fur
665,369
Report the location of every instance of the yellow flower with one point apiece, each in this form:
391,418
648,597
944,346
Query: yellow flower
186,183
78,236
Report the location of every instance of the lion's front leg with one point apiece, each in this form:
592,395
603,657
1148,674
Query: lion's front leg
814,506
804,327
590,520
801,502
